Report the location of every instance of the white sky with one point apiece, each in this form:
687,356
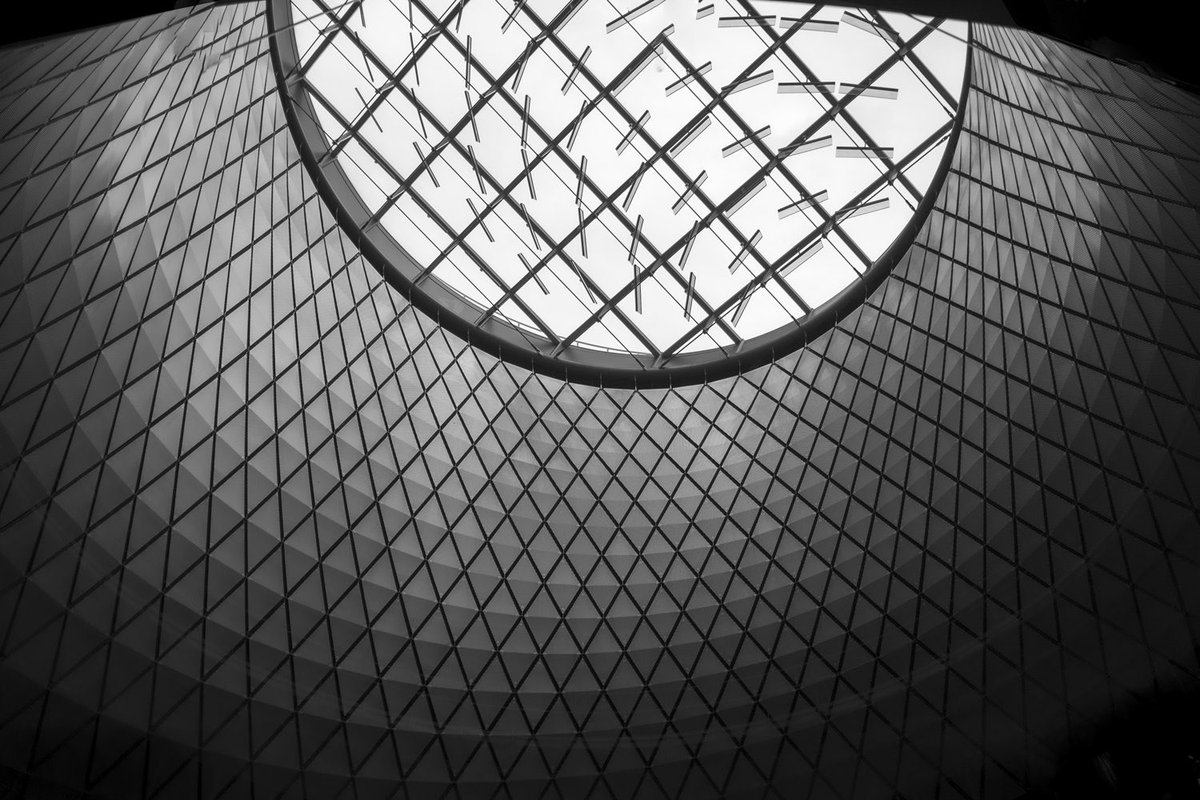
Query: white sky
341,75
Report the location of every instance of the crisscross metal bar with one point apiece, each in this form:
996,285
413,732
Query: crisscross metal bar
830,223
827,92
715,106
661,152
814,237
916,61
425,207
393,79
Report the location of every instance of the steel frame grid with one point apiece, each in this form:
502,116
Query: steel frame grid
550,353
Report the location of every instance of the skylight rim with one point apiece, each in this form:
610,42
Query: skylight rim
577,363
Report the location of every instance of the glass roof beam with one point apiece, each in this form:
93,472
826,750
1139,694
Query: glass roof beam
814,238
830,222
750,137
827,92
774,161
836,108
504,194
554,170
604,92
916,61
385,165
393,78
662,152
326,38
495,87
694,73
485,97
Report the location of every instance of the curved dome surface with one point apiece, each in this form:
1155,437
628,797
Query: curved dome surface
267,530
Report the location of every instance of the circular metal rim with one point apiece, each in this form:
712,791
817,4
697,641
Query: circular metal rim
576,364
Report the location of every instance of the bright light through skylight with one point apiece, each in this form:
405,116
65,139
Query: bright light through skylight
657,177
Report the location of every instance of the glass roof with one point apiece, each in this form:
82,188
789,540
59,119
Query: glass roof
657,178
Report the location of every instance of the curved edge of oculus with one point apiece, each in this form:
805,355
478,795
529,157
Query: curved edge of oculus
576,364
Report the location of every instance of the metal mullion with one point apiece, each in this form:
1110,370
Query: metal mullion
663,151
143,169
325,36
813,237
393,79
498,88
450,134
832,112
830,223
485,97
420,201
776,161
138,329
608,607
660,260
504,193
557,247
79,200
592,286
768,435
604,93
524,546
623,292
845,114
609,201
270,34
511,291
191,343
1063,80
129,226
610,304
916,61
448,229
663,259
773,162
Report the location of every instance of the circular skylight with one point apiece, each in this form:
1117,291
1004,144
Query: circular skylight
623,187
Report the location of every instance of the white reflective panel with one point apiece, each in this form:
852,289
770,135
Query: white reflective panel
733,170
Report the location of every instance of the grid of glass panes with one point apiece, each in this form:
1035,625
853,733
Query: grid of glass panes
657,179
